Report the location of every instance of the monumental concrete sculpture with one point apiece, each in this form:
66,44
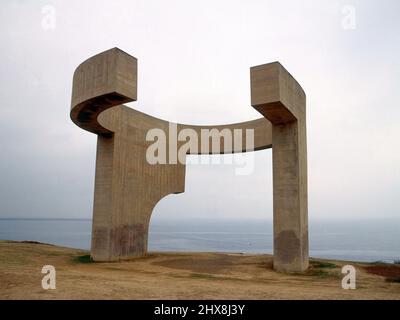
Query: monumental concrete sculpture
127,186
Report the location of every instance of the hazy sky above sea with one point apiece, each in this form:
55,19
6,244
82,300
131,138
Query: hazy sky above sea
194,59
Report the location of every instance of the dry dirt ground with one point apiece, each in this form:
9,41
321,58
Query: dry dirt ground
181,276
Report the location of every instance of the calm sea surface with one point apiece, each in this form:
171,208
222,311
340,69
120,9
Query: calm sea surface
368,240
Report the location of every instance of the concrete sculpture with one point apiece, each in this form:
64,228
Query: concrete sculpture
127,186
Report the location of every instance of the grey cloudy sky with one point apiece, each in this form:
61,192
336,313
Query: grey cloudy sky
194,59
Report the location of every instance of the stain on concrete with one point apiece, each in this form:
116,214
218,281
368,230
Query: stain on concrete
287,246
100,238
128,240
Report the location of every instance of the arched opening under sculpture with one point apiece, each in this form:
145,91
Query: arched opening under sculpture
223,209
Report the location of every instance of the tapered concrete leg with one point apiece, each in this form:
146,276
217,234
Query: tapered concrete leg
280,99
290,212
120,216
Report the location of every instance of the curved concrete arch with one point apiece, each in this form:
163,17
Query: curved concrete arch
109,79
127,186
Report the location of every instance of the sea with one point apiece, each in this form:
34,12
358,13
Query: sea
352,240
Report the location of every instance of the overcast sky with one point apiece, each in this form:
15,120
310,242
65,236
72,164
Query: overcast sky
194,59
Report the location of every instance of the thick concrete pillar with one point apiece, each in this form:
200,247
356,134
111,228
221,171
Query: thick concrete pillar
280,99
120,216
127,187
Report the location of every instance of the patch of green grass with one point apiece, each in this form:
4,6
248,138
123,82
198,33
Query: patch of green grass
323,265
52,254
320,269
323,273
316,273
83,259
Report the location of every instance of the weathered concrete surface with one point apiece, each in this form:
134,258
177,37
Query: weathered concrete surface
278,96
127,187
